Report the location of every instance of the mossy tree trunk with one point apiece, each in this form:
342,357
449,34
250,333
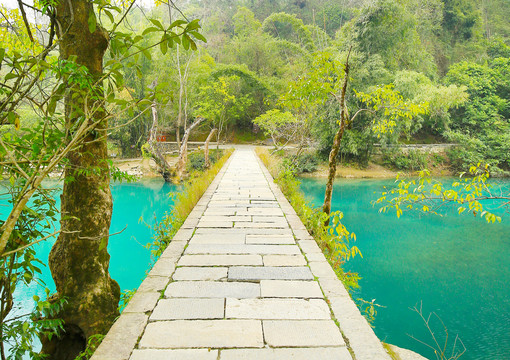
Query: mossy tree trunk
164,167
207,163
183,151
79,259
326,207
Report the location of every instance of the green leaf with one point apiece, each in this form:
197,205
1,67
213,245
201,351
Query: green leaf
185,42
103,243
163,47
2,54
149,30
177,23
193,25
157,23
147,54
198,36
10,76
110,16
192,44
92,21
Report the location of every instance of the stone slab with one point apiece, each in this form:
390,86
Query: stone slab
266,231
177,354
183,234
333,288
315,257
215,224
269,273
309,246
218,239
163,267
283,333
322,270
298,309
211,218
241,249
142,302
200,273
270,219
260,225
261,211
284,260
219,260
174,249
270,239
153,283
203,334
290,289
122,337
219,232
176,309
212,289
322,353
302,234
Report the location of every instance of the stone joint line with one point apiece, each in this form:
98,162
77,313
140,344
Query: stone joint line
241,279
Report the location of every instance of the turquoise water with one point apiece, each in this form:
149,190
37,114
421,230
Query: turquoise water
455,266
134,206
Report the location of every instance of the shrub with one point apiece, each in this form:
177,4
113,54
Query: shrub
304,163
411,161
196,160
307,163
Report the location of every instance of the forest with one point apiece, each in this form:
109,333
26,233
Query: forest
267,66
349,82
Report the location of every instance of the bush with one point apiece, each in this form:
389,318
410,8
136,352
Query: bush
412,160
196,160
307,163
304,163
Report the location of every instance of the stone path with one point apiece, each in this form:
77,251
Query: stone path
242,279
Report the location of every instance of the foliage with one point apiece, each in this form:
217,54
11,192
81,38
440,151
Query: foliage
306,163
70,105
125,298
369,310
280,126
389,29
410,160
481,124
196,160
290,26
20,332
219,103
417,88
473,195
93,343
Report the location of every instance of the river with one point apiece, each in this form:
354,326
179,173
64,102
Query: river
135,206
455,266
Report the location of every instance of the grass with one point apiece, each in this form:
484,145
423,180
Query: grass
184,202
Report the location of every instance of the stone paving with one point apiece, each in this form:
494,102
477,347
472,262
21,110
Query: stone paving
242,279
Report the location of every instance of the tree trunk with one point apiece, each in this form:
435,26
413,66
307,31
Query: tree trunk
179,116
326,207
79,259
207,163
164,167
183,152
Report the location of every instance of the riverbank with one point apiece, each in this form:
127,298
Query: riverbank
372,171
